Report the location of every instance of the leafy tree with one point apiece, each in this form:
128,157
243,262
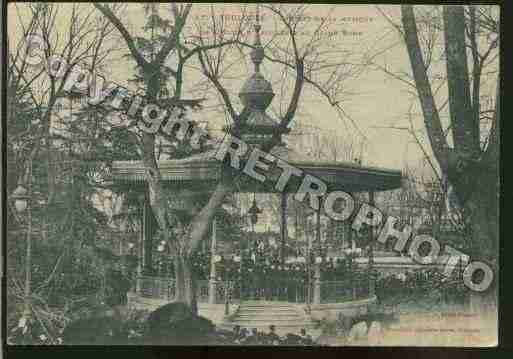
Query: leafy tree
61,159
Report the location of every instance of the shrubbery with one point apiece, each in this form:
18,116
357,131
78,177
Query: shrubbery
428,287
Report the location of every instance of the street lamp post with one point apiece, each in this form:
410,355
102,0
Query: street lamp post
253,213
372,284
21,198
306,254
308,269
212,283
318,260
227,292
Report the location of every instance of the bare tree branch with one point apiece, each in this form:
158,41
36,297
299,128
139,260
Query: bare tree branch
138,57
180,20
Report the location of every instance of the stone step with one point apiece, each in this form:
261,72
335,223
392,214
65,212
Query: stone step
265,303
285,317
254,307
267,309
265,326
270,320
269,315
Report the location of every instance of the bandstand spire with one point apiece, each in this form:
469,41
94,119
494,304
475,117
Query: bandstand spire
256,94
257,54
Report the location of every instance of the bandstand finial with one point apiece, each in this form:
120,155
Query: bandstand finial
257,21
257,54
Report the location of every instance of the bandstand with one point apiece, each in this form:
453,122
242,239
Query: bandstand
201,173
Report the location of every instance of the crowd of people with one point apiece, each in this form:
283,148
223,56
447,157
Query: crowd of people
268,278
252,266
243,336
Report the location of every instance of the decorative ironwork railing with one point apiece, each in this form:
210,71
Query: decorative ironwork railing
228,292
202,289
343,291
276,289
156,287
164,288
355,287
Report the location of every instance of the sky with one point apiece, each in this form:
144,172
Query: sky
373,100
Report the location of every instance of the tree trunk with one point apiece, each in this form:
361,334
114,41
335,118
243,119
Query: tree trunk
481,215
185,280
483,225
481,210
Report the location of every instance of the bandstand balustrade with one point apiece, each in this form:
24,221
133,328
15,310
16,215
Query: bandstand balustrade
357,286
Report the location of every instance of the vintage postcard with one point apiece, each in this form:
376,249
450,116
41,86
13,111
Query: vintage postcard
252,174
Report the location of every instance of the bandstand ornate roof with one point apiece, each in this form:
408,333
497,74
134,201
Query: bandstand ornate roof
204,168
